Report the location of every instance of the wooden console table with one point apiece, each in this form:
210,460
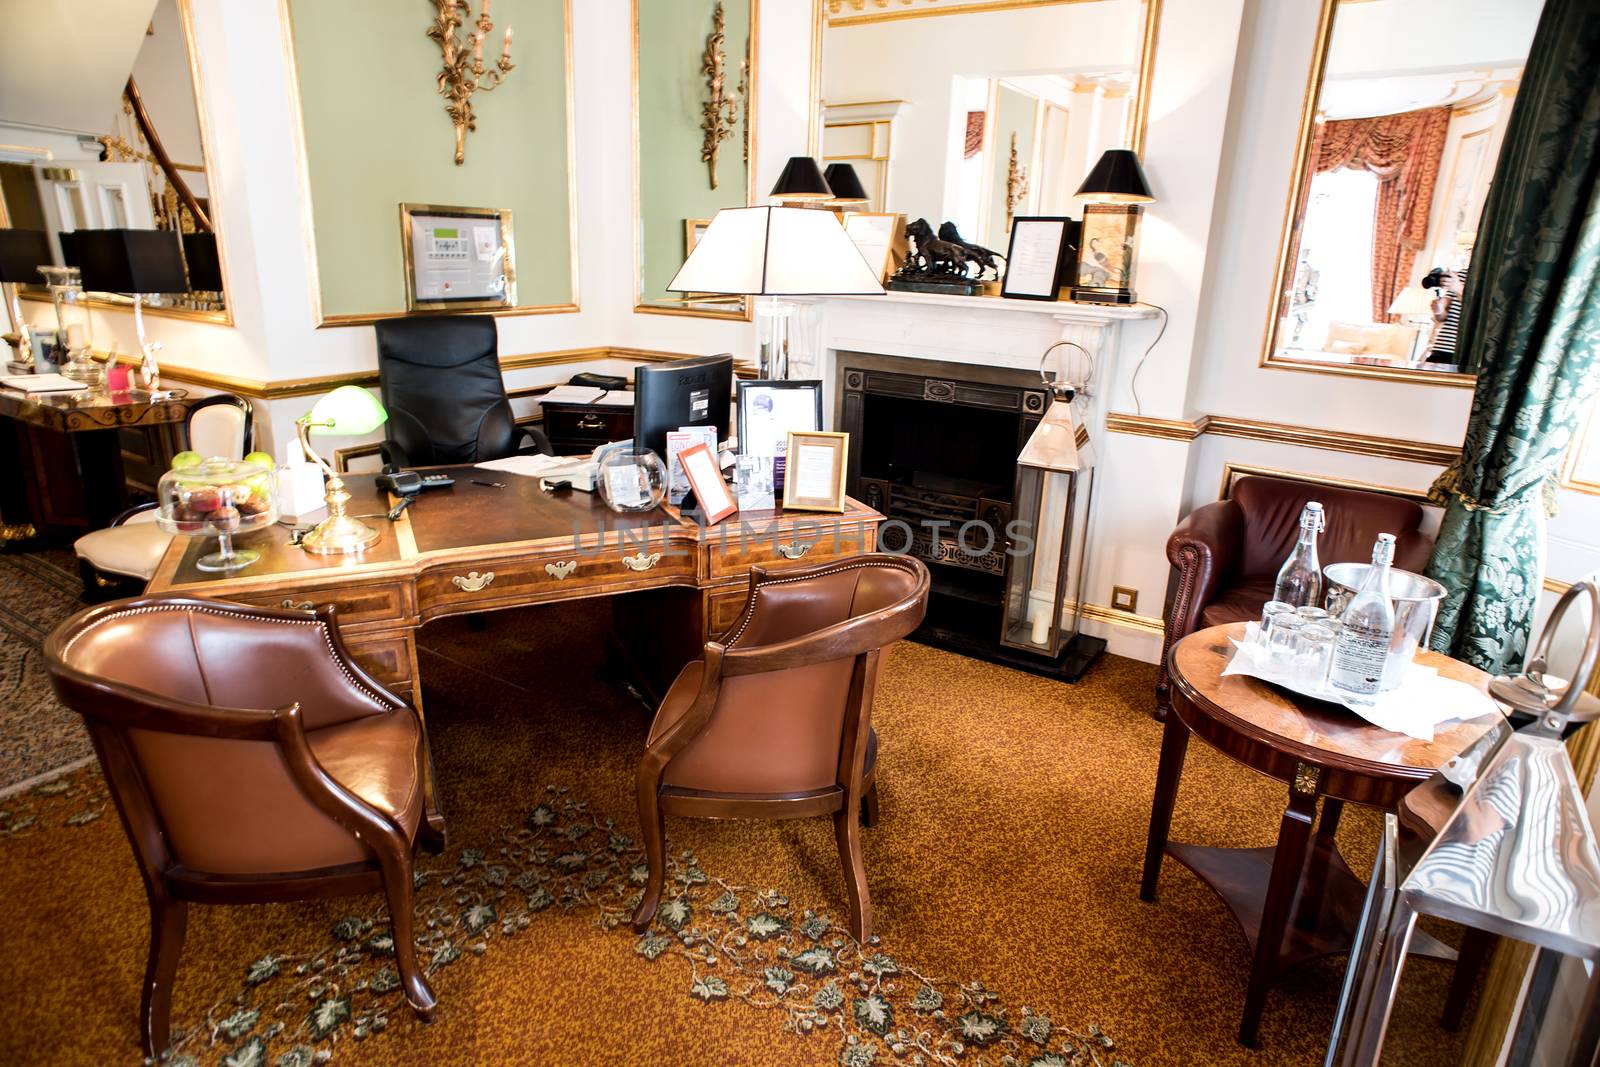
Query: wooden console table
472,548
1298,900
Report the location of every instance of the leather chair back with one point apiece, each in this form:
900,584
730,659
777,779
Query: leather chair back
440,380
179,693
782,731
1271,509
220,426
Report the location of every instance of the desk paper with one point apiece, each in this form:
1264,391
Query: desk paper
812,471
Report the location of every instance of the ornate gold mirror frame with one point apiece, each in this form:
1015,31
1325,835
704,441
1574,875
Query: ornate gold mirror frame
731,76
1293,219
122,303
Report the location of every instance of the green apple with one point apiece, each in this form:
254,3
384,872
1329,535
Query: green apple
187,459
262,459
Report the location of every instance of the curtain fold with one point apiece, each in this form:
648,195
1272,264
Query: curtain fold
1403,152
1530,323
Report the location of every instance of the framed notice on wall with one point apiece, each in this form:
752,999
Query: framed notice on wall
457,258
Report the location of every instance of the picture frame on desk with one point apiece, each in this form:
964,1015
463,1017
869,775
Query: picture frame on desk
1040,258
705,481
770,409
814,471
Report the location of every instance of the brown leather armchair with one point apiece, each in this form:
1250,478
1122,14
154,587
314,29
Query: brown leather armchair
775,722
251,760
1227,554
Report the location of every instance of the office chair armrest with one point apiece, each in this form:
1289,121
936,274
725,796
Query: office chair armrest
537,443
131,512
375,829
394,457
850,637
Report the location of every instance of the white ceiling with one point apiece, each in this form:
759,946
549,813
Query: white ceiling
67,60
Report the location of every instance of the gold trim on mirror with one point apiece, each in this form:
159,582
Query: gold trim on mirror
308,219
934,11
667,305
1293,219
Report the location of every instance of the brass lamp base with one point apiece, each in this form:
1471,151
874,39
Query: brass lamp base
340,535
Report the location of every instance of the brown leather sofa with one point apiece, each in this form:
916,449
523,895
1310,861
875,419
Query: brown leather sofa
775,722
1227,554
251,760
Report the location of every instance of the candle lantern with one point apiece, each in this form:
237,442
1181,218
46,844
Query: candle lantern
1049,536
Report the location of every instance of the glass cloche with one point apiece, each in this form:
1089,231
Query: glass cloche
218,498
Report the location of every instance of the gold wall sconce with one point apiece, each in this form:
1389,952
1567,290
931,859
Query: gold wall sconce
1016,183
464,72
720,111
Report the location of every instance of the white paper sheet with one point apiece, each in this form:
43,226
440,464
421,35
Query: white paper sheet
572,394
528,466
812,471
42,383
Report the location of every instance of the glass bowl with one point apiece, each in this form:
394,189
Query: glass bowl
218,498
632,480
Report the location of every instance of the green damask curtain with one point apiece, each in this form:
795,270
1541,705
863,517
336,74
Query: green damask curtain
1531,323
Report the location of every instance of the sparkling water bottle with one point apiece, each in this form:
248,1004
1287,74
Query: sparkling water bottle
1300,577
1362,650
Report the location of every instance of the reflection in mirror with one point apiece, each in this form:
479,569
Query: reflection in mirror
1399,143
112,139
984,113
694,143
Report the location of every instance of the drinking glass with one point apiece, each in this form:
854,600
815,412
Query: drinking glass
1283,640
1311,613
1270,611
1313,655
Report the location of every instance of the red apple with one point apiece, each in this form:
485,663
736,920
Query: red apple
225,518
205,498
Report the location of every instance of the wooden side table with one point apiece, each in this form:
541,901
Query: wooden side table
1297,900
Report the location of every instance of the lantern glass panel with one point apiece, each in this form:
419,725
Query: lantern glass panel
1042,585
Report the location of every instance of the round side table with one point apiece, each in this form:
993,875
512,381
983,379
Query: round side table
1299,899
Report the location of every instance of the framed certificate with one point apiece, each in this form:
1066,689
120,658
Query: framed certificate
770,410
1039,254
814,466
705,478
457,258
880,238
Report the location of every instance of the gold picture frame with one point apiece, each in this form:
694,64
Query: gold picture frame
884,256
505,244
693,230
801,465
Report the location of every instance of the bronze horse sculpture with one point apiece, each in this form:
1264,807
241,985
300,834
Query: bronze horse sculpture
934,256
983,257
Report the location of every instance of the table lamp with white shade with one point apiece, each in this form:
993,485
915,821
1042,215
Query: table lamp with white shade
1414,305
773,252
348,411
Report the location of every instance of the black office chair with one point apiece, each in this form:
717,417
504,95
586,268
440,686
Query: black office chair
440,380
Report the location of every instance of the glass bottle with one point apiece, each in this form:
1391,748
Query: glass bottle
1300,577
1368,627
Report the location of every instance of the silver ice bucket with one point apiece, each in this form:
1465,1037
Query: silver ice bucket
1416,601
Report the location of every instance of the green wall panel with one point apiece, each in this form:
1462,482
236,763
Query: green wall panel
1015,112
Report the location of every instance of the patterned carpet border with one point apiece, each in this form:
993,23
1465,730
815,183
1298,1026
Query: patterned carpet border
38,737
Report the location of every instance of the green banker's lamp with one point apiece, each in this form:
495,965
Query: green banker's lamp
348,411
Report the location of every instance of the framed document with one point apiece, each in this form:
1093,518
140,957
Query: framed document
814,466
705,478
1040,249
770,410
457,258
880,238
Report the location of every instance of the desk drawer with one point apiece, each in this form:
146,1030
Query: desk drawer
804,546
358,605
386,657
451,588
579,428
723,609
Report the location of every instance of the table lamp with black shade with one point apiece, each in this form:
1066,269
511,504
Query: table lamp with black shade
846,185
801,180
773,252
21,253
205,266
1115,192
135,262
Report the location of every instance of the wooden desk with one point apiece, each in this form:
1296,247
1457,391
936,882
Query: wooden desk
63,459
473,548
1298,900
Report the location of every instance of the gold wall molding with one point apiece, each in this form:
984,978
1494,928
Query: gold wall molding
1284,433
1127,620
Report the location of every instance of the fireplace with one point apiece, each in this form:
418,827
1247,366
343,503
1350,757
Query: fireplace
934,447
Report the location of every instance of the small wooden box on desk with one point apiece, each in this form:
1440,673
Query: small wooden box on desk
574,429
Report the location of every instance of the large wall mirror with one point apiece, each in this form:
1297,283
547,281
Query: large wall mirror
975,113
1405,111
694,141
103,128
410,208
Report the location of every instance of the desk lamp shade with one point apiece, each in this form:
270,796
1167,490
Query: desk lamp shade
22,253
776,251
205,268
845,183
1117,179
130,261
1411,302
348,411
801,180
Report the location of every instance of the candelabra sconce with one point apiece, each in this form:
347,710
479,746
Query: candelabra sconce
464,71
1016,183
720,112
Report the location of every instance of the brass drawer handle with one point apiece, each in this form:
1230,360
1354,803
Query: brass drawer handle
641,562
301,605
591,422
559,570
794,550
472,582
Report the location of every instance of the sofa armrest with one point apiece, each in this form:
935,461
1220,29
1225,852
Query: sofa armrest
1205,549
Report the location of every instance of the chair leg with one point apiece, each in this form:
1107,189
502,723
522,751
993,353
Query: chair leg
847,835
169,919
397,889
869,806
653,827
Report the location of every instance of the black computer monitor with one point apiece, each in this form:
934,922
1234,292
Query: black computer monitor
686,392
